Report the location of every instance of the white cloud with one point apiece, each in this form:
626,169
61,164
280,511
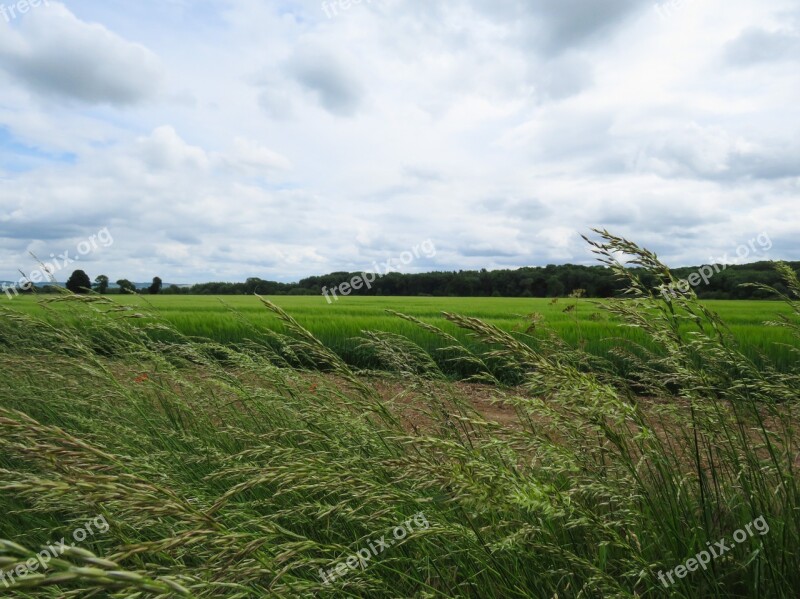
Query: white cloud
284,143
253,156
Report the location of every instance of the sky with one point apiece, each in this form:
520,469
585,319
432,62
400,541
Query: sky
215,140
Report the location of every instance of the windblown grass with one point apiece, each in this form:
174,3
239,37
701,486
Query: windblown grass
241,471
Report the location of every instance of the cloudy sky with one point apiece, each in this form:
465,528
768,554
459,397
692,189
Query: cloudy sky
222,139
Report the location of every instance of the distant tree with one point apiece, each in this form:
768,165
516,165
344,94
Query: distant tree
155,287
79,282
101,284
255,285
555,288
125,286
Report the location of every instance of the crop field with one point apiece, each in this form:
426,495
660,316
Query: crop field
339,325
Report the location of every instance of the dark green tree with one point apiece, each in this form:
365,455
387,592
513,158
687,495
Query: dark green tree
125,286
79,282
155,287
555,288
101,284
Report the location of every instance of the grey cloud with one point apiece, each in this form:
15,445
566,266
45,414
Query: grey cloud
38,230
184,238
715,155
56,54
570,134
784,246
609,215
528,209
422,174
554,26
774,164
574,22
564,77
756,46
673,218
484,251
321,73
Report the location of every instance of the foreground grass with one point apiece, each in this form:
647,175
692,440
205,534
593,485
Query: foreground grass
242,472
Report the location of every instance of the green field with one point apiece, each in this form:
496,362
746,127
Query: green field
233,319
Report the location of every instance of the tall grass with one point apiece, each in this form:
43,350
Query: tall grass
242,471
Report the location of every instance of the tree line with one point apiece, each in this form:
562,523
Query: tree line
547,281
